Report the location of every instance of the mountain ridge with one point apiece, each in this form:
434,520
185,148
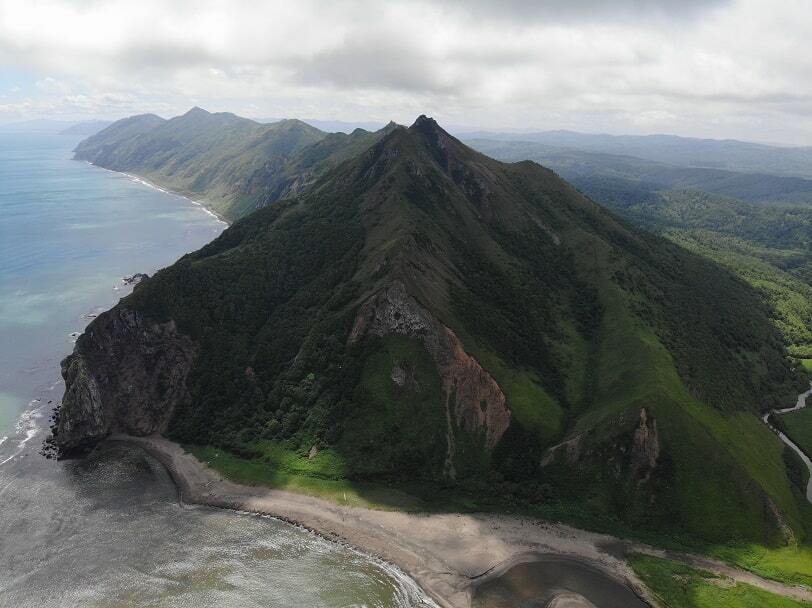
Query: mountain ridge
423,312
231,164
726,154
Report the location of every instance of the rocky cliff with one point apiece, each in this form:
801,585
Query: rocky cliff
472,396
126,375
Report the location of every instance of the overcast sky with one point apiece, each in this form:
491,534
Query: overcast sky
724,68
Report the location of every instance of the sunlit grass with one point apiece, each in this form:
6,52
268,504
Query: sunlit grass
679,586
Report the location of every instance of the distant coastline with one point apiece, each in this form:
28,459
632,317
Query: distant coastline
145,182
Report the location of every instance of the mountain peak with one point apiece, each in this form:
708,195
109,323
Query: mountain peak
426,124
197,111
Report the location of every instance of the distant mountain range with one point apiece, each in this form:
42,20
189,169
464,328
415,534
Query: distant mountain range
398,308
626,173
86,128
333,126
83,128
730,155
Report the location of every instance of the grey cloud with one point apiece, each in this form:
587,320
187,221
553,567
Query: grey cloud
590,64
374,63
531,11
162,55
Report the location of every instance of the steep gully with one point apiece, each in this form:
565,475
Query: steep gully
803,401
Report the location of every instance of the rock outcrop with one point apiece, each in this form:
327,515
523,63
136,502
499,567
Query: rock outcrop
645,448
126,375
473,397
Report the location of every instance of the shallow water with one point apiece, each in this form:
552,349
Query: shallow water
536,584
108,531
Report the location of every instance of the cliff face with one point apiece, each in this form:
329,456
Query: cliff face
125,375
472,396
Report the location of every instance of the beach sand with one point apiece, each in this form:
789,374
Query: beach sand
447,554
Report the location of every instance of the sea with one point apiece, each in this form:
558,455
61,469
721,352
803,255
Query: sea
109,530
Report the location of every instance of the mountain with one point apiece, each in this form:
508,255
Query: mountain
603,175
769,246
335,126
232,164
86,128
729,154
423,315
740,220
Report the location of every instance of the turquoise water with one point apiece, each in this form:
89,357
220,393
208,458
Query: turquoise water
108,531
68,233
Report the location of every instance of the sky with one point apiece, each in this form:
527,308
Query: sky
705,68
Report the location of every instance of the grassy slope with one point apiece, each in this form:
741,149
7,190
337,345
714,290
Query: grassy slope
798,427
285,469
678,586
638,372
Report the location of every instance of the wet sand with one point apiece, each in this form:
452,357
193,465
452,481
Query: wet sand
448,555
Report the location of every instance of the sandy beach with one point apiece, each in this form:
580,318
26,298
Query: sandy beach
448,555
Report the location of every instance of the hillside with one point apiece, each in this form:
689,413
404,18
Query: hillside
232,164
739,220
86,128
727,154
622,176
423,314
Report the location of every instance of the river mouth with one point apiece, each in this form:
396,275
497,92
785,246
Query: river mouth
551,581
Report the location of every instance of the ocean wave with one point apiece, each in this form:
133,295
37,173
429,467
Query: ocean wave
26,428
148,184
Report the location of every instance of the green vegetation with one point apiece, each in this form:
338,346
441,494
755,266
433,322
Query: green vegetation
274,466
622,174
534,408
798,427
646,364
679,586
791,564
234,165
396,426
768,246
759,226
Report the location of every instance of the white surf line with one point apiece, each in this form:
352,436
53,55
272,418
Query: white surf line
405,584
27,425
802,403
148,184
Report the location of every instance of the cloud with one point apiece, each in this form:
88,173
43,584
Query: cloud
529,12
52,85
717,68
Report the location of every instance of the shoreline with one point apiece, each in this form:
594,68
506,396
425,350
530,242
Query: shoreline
448,555
145,182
